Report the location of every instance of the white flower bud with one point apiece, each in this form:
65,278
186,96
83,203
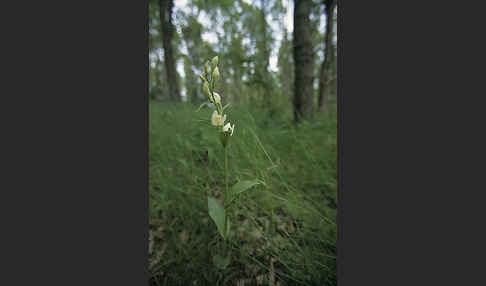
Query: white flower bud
215,74
214,62
206,89
217,98
206,68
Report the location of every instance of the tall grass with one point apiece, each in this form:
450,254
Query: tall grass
285,232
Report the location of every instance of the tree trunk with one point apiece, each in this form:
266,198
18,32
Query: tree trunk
328,58
286,66
304,60
237,82
158,80
266,59
167,30
191,84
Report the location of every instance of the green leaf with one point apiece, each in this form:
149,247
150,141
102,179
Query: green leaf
183,162
242,186
221,262
217,213
202,120
226,106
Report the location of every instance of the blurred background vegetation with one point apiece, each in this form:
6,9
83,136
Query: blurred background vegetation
277,60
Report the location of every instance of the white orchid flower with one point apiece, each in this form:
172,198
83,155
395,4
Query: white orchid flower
217,119
228,128
217,98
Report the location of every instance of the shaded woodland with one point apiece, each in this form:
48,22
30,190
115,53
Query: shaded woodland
277,83
262,62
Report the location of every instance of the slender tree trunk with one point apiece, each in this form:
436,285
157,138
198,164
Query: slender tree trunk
266,58
167,30
191,86
158,80
264,38
304,60
237,83
328,58
287,71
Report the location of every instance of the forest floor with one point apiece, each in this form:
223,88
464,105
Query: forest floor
285,232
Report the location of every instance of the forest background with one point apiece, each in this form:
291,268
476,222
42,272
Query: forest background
277,63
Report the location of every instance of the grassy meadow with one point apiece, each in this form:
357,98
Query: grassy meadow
284,230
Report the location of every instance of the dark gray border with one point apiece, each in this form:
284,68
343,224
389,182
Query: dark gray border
76,147
409,119
75,176
340,146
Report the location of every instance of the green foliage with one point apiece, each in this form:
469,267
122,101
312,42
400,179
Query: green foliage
217,213
242,186
281,223
288,225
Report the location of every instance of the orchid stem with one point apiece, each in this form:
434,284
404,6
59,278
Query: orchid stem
226,187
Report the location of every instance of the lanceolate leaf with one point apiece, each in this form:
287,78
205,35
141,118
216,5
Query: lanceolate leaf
217,213
226,106
242,186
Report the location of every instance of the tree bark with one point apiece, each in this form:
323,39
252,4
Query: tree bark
167,30
237,82
328,58
158,80
304,61
286,66
263,66
264,38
